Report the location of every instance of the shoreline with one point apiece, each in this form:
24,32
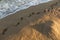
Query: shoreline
19,9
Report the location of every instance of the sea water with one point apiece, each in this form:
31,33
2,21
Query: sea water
8,7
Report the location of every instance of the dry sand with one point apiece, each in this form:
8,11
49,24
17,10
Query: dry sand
41,22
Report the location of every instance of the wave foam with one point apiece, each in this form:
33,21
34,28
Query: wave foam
8,7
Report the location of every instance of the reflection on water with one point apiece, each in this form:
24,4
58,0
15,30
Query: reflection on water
8,7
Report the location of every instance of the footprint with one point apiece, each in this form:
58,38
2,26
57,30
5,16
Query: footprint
56,3
59,10
52,8
29,15
46,10
21,18
4,31
38,12
18,24
33,13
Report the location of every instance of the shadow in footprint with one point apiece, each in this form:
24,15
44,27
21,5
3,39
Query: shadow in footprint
44,28
46,10
58,10
18,23
29,15
4,31
38,12
21,18
33,13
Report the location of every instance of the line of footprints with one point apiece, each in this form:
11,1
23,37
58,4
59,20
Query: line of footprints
21,18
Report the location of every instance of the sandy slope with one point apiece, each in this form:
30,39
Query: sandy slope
41,22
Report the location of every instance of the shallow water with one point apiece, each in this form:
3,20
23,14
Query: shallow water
8,7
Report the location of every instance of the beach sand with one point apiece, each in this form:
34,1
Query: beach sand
40,22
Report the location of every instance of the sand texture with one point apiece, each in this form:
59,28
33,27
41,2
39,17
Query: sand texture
40,22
